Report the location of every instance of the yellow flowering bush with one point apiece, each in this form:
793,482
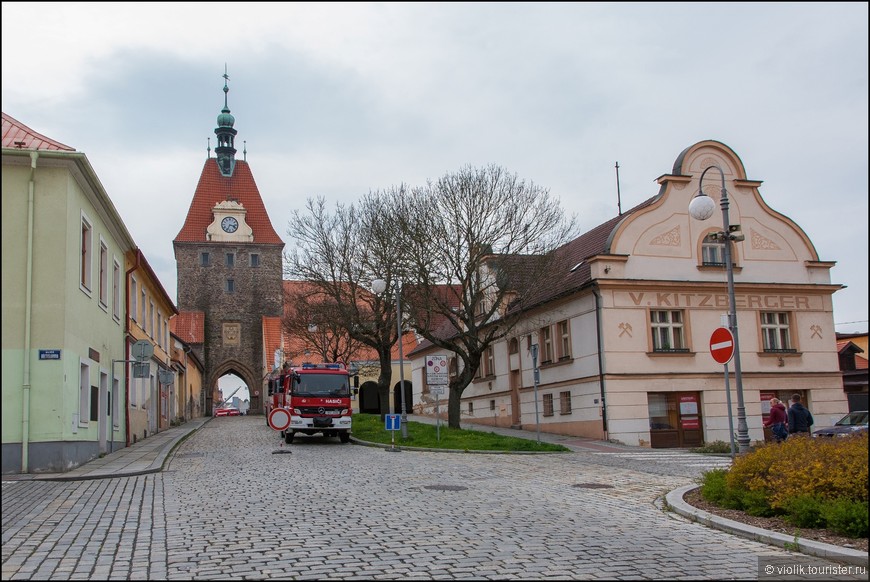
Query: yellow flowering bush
822,468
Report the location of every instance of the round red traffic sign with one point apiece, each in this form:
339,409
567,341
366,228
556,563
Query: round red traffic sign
722,345
279,418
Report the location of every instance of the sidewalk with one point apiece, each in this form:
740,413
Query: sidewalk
146,456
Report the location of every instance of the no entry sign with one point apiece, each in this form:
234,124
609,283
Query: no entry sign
722,345
279,418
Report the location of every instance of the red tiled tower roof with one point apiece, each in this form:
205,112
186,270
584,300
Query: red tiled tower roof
213,188
271,338
18,136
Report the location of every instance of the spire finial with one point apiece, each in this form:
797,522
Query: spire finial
245,150
226,89
208,149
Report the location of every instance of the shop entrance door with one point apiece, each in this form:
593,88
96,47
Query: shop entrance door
675,420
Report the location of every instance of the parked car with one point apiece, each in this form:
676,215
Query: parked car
852,423
227,412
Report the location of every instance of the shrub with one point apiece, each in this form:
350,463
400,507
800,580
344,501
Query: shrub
715,490
714,447
845,517
804,511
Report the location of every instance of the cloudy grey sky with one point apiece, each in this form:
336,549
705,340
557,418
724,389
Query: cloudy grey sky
335,99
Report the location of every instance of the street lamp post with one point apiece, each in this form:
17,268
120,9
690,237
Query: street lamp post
701,208
379,286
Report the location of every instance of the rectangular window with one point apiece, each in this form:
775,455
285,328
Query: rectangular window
158,335
255,260
564,403
231,259
775,332
204,259
84,393
95,403
144,319
489,362
150,329
116,290
116,407
85,266
564,340
104,274
548,405
667,331
492,405
713,251
546,341
471,408
231,286
134,299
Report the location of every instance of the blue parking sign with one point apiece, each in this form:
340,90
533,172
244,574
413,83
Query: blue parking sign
393,422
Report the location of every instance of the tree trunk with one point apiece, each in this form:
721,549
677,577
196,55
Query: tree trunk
384,380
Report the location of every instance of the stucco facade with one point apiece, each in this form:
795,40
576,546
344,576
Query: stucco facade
63,307
625,346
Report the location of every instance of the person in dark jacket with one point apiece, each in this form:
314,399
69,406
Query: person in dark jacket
799,418
777,420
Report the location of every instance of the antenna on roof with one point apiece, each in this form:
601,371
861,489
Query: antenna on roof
245,151
618,197
209,147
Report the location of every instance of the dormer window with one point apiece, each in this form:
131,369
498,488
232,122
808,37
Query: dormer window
713,251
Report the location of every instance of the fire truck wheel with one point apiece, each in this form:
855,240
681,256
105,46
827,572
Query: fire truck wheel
288,437
344,436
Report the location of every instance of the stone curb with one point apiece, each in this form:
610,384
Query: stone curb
674,501
357,441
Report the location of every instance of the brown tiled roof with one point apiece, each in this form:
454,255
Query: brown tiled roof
213,188
18,136
189,326
271,338
860,363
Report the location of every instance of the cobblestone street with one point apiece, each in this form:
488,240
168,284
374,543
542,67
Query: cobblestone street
336,511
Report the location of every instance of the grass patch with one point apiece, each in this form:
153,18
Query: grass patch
370,428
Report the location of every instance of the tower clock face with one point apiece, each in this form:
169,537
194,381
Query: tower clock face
229,224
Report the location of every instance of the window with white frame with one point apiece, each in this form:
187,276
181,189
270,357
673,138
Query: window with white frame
546,341
563,330
713,251
158,334
150,329
548,404
143,321
776,332
489,362
134,299
564,403
116,289
84,393
85,265
104,274
667,331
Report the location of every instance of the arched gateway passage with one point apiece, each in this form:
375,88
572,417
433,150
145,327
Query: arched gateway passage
245,378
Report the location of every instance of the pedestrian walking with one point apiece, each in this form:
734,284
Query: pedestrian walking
777,420
799,417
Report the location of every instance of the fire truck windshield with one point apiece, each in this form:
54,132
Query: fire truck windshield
321,385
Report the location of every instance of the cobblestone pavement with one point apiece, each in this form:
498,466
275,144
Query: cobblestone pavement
333,511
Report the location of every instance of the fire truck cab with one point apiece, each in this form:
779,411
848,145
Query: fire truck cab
318,398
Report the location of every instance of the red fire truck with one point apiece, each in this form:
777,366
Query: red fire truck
317,397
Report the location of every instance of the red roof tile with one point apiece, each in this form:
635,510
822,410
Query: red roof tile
271,338
189,326
860,363
213,188
18,136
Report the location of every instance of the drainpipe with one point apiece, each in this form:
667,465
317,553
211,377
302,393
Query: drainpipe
127,346
28,311
599,333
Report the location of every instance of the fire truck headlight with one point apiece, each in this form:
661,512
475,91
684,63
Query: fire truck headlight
297,412
344,412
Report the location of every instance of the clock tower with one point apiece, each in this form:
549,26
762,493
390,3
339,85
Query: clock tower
229,263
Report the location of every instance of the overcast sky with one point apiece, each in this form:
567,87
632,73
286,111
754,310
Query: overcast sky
335,100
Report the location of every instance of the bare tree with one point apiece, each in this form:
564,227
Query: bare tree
476,247
311,321
339,253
